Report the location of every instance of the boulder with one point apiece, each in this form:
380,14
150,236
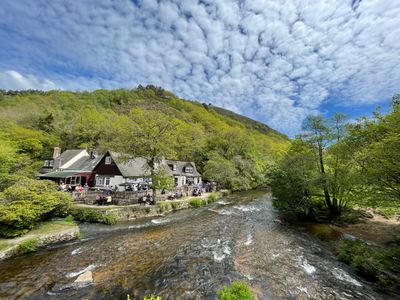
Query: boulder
86,277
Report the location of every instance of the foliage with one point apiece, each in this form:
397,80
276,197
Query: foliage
27,202
376,264
211,198
32,122
236,291
26,246
91,215
340,164
152,297
69,219
197,202
162,180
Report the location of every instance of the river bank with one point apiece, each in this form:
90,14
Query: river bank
44,234
189,254
136,211
371,247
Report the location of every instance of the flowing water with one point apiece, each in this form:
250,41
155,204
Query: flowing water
189,254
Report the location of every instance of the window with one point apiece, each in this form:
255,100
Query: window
103,181
48,163
99,180
189,169
108,160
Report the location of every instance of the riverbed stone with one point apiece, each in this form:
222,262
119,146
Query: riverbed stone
86,277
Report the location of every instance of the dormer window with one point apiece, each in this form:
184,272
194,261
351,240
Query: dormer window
48,163
108,160
188,169
172,167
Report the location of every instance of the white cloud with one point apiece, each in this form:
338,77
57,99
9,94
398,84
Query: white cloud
274,60
12,80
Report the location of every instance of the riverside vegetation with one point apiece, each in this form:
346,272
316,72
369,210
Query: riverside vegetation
333,169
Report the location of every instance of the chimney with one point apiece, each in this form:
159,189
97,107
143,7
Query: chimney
56,152
93,154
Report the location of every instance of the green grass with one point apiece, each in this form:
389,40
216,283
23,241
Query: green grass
48,227
27,246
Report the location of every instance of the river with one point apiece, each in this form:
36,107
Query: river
189,254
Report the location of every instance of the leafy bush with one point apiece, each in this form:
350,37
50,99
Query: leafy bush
211,198
28,202
163,206
69,219
196,202
236,291
174,205
376,264
27,246
92,215
152,297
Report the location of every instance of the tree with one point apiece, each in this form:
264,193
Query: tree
220,170
326,138
145,133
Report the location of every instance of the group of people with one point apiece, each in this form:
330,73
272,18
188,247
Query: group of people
146,199
174,195
71,189
104,199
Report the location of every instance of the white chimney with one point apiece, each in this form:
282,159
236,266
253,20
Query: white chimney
56,152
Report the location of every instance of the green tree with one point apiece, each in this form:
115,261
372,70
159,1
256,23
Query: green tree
145,133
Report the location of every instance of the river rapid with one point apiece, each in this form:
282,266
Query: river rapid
189,254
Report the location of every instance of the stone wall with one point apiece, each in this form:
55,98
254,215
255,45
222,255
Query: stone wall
127,198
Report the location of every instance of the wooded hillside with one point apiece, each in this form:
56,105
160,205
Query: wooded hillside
226,147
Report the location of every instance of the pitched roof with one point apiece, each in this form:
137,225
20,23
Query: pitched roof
85,163
65,157
180,167
138,166
132,167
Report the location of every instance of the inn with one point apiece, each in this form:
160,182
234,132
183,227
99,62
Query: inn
113,171
77,167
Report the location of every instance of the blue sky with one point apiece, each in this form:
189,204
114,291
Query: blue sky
272,60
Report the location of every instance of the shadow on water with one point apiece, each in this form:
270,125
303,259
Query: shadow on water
188,254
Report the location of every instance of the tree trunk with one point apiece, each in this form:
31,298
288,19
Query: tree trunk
333,210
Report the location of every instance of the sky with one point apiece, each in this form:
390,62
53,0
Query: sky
275,61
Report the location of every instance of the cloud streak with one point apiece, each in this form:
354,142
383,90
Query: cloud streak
275,61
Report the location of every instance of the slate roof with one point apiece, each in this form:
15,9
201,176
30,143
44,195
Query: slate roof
138,167
180,168
85,163
65,157
133,167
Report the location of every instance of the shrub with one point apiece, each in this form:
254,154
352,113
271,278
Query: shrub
211,198
376,264
174,205
152,297
236,291
147,210
69,219
27,246
163,206
92,215
28,202
196,202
